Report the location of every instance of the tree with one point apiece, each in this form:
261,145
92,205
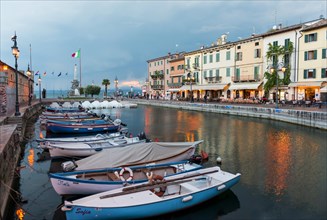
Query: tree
273,54
106,83
92,90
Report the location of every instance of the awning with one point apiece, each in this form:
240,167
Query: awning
174,90
306,84
244,86
213,86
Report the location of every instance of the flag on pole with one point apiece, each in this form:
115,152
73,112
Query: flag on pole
76,54
45,73
59,74
37,73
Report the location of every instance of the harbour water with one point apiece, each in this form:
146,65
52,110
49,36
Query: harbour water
283,166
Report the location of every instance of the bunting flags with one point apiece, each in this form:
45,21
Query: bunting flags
59,74
45,73
77,54
37,73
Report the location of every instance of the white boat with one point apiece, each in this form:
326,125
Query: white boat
80,149
136,154
44,143
100,180
151,199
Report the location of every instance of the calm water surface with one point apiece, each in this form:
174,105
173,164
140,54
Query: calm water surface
283,166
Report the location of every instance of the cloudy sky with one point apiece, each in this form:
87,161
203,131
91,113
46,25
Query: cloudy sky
118,37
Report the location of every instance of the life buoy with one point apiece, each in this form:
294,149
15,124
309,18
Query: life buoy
122,171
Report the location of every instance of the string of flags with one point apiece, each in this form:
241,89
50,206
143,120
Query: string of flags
45,73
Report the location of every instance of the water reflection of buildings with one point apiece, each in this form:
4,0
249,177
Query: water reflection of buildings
278,160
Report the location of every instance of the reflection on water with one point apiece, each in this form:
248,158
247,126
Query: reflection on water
283,166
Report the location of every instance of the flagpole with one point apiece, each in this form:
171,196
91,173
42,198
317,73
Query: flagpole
80,68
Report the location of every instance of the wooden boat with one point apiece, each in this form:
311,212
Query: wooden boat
90,148
151,199
44,143
96,181
82,128
134,155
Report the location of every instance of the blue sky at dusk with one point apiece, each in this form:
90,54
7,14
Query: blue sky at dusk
118,37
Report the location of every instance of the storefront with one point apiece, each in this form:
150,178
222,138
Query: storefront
246,90
307,90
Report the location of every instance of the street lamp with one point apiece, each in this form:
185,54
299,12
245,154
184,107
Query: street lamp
15,52
29,73
190,78
274,69
39,80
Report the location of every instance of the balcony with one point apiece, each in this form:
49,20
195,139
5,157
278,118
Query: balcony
175,85
157,87
213,79
157,76
247,78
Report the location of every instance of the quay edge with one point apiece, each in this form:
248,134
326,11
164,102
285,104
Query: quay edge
12,132
314,119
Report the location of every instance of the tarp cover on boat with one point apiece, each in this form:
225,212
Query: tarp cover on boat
135,154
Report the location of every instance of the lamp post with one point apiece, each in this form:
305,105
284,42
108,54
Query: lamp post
190,78
15,52
28,73
39,80
116,87
275,69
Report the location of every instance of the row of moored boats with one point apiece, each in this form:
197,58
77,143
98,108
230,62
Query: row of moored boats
124,177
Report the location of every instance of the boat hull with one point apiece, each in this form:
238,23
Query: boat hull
70,184
81,129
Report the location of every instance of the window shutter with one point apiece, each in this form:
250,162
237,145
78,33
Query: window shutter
306,38
315,36
323,73
305,55
305,75
323,53
314,73
315,54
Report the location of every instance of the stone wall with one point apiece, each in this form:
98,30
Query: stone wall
9,155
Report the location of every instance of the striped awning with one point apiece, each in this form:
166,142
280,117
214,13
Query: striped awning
304,84
244,86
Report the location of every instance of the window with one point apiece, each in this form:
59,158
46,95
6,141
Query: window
228,55
287,43
155,63
217,57
310,55
309,73
286,59
217,73
167,71
256,72
310,37
210,73
238,74
324,53
257,53
172,68
238,47
196,61
210,58
150,64
228,72
205,60
238,56
324,73
275,43
256,44
205,74
188,63
161,62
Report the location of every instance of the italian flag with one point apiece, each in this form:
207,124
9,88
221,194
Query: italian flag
76,54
